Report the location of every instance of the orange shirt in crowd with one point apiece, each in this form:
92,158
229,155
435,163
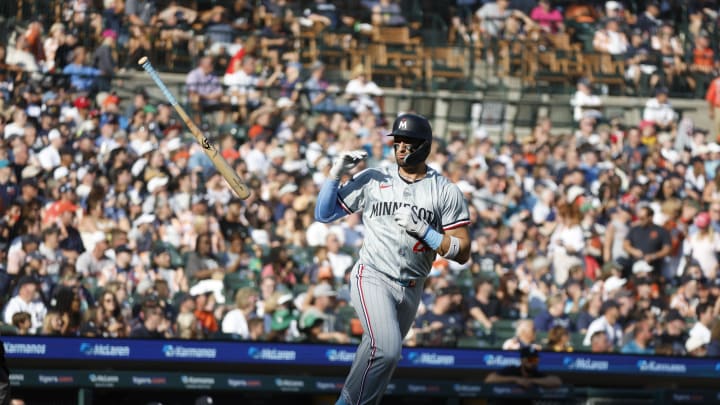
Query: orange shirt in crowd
704,57
713,95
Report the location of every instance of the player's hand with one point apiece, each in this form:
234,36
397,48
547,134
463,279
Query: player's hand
413,224
345,162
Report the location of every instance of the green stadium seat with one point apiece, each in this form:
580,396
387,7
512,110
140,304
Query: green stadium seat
472,342
576,341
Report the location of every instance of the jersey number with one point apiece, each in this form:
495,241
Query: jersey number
420,248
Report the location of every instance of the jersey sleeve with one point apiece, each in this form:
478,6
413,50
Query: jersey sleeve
454,208
351,195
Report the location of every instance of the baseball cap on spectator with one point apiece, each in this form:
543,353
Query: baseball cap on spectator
574,192
310,320
641,266
209,286
285,298
156,182
60,173
150,109
661,90
174,144
65,188
144,219
702,220
82,102
281,319
145,147
25,280
539,263
674,315
4,163
28,182
123,249
30,172
694,342
324,290
613,5
288,188
613,283
607,305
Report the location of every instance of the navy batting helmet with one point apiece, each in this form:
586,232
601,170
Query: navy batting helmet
417,127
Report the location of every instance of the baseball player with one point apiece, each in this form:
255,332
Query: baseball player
411,213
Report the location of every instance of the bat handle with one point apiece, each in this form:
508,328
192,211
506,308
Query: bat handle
145,63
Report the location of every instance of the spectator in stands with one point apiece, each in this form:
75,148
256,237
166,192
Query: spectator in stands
152,323
387,13
549,19
558,340
703,246
641,342
527,374
22,321
524,336
608,323
201,263
554,315
364,94
647,241
339,261
599,343
103,58
440,326
648,22
83,78
695,347
703,64
712,96
323,306
705,317
610,39
513,301
671,52
492,17
321,93
26,300
483,306
235,322
204,90
585,104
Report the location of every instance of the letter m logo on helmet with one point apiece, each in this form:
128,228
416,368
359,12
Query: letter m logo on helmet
417,127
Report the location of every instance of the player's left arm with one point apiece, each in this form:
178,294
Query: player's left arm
462,235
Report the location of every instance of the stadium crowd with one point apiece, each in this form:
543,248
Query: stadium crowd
115,223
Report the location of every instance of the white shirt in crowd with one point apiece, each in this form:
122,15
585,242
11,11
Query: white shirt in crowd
236,324
35,308
613,332
656,112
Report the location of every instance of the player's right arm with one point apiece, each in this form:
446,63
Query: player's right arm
330,206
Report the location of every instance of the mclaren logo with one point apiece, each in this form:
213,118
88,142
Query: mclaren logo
402,124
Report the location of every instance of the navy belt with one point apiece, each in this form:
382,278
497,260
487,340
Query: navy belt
404,283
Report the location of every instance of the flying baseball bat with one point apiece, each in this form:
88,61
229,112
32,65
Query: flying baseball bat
213,153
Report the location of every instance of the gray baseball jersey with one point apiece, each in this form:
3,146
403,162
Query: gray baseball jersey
378,192
387,309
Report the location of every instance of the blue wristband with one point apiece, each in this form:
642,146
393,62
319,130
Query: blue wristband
433,238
